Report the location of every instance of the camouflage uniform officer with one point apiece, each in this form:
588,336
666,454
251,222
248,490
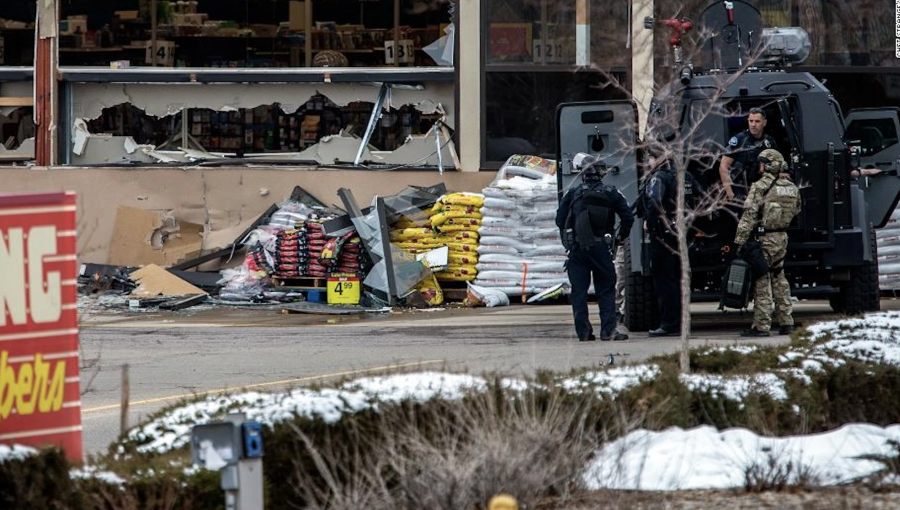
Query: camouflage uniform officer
771,205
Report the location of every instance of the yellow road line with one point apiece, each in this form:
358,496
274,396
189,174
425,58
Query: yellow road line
284,382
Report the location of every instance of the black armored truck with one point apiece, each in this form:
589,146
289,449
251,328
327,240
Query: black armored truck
845,166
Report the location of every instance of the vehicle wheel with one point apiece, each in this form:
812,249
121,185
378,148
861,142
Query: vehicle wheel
641,310
861,293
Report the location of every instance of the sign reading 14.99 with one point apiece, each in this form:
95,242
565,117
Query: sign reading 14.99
39,382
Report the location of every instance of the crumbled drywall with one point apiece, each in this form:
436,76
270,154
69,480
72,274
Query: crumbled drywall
420,150
25,151
171,98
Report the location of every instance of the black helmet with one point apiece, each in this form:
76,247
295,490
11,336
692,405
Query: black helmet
591,167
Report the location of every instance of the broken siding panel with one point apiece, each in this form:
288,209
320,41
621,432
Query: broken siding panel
160,100
434,148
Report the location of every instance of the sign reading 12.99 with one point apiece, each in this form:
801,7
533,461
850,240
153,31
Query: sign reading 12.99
40,401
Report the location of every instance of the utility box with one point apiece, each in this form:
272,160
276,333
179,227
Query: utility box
233,447
215,443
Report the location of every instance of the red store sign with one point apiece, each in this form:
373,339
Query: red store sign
40,401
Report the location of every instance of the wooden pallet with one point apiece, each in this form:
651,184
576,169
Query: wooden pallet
453,291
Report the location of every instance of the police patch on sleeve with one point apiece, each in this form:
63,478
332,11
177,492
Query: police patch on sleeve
733,142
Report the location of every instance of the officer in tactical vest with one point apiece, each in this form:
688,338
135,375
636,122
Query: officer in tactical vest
739,167
771,205
586,218
665,263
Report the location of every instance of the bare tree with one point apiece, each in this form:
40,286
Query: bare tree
679,131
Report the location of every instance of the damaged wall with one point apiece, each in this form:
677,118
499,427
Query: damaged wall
89,99
225,200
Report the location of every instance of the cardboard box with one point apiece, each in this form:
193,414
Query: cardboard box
297,16
148,237
127,14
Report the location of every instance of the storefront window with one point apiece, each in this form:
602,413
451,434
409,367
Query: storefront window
17,33
16,102
253,33
557,32
539,53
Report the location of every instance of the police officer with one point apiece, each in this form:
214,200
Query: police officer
770,207
665,263
739,167
586,218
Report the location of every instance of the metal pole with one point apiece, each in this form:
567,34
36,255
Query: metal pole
125,399
307,30
386,247
46,30
373,121
153,22
396,33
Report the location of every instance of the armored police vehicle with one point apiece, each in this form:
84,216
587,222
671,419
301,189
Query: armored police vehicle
831,254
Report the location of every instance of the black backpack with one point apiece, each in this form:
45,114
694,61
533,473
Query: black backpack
736,285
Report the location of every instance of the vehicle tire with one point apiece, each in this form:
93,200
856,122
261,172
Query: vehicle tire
641,309
861,293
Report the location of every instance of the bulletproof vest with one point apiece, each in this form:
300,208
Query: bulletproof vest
668,200
746,171
594,218
780,205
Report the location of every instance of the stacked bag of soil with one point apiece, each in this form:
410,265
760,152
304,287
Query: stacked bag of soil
452,222
343,254
519,250
291,253
888,241
455,219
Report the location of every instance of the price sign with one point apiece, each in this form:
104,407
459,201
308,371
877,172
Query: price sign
165,53
402,53
550,51
343,289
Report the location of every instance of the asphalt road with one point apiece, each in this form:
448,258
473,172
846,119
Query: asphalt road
172,356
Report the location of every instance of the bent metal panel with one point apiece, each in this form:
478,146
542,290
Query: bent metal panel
39,384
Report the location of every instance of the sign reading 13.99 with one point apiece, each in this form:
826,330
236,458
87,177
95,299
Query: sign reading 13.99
403,53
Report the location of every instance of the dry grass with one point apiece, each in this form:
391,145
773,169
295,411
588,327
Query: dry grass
457,454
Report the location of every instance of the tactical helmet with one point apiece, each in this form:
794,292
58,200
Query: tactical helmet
772,160
591,166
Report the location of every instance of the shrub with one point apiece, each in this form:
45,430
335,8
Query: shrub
38,481
447,454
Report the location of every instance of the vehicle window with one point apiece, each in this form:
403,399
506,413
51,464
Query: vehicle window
873,135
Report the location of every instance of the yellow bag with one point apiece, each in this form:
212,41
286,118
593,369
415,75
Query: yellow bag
462,248
454,276
454,238
461,259
404,222
453,227
461,199
411,247
409,234
447,216
467,209
430,290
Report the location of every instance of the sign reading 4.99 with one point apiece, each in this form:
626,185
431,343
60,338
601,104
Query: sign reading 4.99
39,386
